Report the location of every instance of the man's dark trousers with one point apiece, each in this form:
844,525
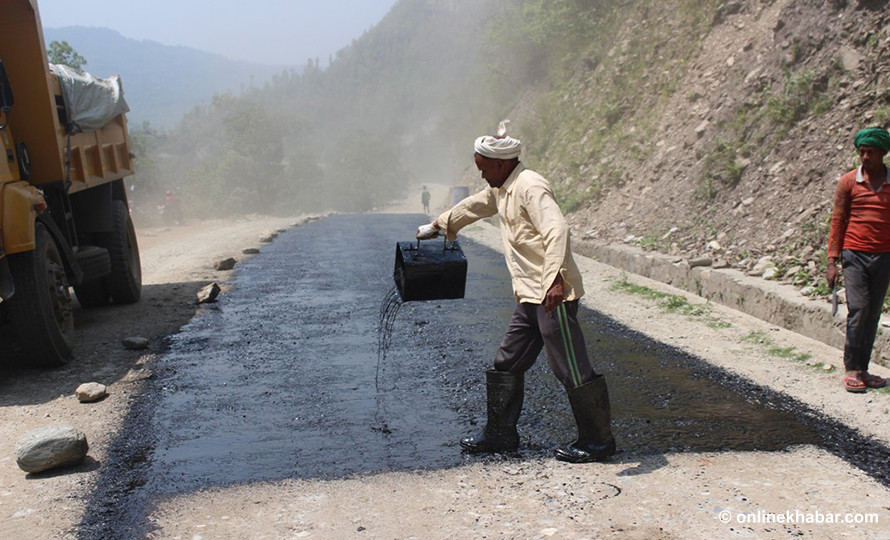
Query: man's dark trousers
532,328
866,277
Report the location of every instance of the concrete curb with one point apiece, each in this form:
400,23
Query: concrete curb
778,304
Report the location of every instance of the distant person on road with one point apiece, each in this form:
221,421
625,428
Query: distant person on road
425,199
172,208
546,287
860,237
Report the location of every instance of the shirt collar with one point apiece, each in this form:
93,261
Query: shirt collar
508,183
861,179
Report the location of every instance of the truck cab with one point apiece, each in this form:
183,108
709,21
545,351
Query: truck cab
64,216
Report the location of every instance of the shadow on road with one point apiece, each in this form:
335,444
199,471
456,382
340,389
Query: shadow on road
99,354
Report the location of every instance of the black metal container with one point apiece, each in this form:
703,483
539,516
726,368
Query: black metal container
430,270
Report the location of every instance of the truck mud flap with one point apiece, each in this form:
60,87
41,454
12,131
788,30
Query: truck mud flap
94,261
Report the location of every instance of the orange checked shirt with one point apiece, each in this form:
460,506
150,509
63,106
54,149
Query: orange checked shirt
861,217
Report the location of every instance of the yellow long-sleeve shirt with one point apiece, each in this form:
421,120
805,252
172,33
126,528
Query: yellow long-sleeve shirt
535,234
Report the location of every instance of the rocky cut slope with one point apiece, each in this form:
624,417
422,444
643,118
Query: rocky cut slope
715,128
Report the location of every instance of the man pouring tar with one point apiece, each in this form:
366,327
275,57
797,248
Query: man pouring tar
546,286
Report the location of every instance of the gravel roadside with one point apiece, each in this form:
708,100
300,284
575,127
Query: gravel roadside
682,495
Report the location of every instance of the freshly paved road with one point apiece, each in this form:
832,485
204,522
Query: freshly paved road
280,379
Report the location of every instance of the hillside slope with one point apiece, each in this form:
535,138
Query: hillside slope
717,132
692,127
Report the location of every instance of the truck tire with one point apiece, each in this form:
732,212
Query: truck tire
124,283
40,309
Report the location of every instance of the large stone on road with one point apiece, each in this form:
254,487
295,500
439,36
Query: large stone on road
51,447
91,392
208,294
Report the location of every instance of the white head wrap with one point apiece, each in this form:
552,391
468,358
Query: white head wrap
495,148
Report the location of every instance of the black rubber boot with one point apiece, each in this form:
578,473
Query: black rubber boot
590,405
505,392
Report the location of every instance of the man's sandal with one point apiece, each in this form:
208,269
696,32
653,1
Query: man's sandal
873,381
854,385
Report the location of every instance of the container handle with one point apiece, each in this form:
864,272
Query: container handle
444,243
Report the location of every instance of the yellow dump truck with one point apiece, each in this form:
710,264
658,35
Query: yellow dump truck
64,217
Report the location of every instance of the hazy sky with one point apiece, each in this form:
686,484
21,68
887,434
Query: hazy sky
285,32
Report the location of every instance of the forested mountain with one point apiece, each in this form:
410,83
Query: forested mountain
161,83
388,109
692,127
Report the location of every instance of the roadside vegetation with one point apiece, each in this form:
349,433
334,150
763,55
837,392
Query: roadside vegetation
671,303
788,353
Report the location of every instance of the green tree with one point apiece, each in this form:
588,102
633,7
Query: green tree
363,173
60,52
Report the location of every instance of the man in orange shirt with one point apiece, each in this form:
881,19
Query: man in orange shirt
860,237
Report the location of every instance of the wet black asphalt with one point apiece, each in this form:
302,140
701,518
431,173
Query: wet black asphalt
280,379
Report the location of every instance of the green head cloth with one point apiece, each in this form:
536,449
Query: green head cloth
877,137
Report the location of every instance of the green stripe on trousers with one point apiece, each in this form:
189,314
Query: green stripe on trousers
569,346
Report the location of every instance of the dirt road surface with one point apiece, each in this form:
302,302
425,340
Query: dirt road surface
819,490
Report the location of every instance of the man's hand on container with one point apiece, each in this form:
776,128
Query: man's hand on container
425,232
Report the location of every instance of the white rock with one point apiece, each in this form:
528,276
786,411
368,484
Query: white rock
791,272
700,129
90,392
762,264
850,58
47,448
208,293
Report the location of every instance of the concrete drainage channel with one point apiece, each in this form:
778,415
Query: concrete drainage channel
769,301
